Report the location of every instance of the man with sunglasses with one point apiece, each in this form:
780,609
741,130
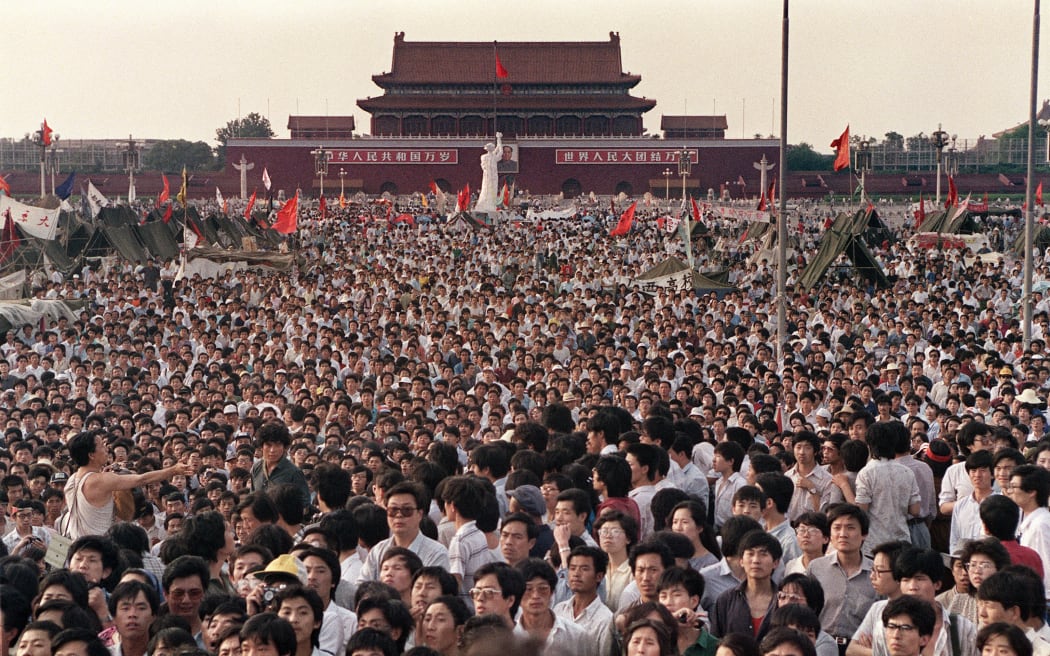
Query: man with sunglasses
406,503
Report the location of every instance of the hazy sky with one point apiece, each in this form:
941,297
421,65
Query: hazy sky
180,70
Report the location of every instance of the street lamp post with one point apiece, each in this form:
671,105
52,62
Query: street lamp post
342,176
940,140
131,164
53,164
685,168
1045,124
862,162
667,185
321,159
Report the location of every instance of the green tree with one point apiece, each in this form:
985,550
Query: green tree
253,125
171,156
894,140
802,157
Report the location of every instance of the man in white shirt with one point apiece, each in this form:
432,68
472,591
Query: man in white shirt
406,503
1029,489
585,608
538,621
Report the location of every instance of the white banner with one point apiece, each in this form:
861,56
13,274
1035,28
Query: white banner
34,221
95,199
743,214
551,214
681,281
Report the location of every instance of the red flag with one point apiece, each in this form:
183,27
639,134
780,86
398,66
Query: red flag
45,133
761,203
434,188
501,72
696,210
506,195
342,201
288,216
463,198
661,221
920,214
8,238
4,187
1038,194
953,194
841,146
871,207
251,204
625,222
165,193
324,209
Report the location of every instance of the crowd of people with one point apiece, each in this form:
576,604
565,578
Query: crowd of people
489,441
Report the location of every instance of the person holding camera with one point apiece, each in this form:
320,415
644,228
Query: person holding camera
24,534
283,571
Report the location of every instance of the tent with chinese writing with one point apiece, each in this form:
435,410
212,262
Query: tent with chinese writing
674,274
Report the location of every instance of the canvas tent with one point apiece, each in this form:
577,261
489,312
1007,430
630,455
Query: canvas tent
844,238
1041,239
464,221
675,274
953,221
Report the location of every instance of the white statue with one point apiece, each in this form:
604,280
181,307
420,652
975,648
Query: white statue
488,195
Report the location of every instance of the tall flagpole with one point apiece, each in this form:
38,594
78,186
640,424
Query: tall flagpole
782,214
1029,227
495,84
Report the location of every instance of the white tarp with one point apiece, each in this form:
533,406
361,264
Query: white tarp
680,280
34,221
11,285
211,269
740,213
550,214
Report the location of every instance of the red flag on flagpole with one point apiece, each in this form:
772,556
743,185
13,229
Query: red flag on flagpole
434,188
167,215
251,204
324,209
953,194
342,201
463,198
761,203
8,237
165,193
506,195
841,146
920,214
288,216
772,194
624,225
4,186
1038,194
45,133
501,72
696,210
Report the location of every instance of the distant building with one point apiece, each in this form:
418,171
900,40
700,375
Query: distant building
694,127
321,127
552,88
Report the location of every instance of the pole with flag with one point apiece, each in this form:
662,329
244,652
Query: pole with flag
841,146
501,73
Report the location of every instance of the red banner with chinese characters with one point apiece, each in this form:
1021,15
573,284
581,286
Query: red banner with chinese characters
621,156
395,156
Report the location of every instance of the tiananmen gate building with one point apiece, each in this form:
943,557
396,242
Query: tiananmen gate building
565,109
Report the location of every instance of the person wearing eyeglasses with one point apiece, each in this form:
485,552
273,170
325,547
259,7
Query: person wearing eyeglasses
920,572
498,589
185,580
908,624
406,503
538,621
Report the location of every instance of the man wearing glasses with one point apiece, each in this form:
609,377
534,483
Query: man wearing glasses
908,624
405,504
539,621
498,589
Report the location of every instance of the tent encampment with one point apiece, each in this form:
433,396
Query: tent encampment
844,238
